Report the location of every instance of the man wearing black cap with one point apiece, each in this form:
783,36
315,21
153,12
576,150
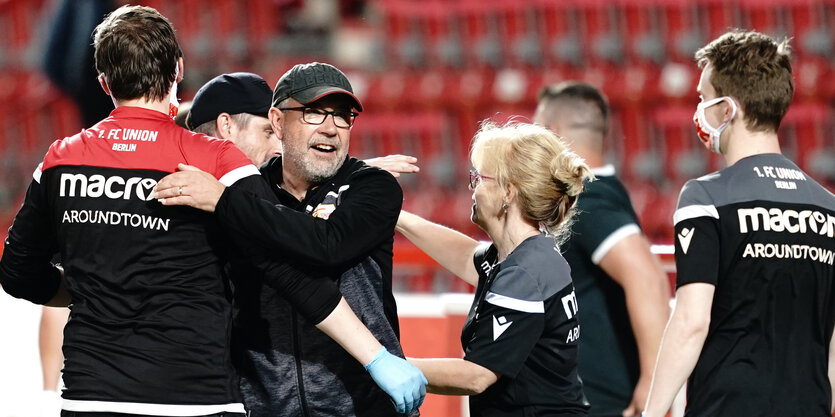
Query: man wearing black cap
235,107
337,214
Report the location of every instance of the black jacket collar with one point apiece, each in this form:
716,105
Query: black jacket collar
272,172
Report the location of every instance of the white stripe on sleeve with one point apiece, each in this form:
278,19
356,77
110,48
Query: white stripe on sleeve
515,303
37,174
236,174
691,212
607,244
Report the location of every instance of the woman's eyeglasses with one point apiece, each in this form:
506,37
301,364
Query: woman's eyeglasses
476,178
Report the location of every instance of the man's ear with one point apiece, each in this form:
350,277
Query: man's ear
275,121
180,70
728,112
103,83
223,126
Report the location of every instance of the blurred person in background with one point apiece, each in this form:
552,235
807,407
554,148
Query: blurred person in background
150,308
68,58
751,330
620,284
337,214
521,336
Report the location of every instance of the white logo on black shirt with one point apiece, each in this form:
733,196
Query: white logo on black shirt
791,221
486,267
499,326
114,187
684,238
569,304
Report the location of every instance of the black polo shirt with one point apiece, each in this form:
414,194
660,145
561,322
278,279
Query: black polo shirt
523,325
609,364
762,232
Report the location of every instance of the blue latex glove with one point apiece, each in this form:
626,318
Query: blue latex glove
401,380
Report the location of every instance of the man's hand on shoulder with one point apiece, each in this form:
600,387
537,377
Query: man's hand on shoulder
189,186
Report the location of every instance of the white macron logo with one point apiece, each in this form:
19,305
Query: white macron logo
114,187
684,238
499,326
791,221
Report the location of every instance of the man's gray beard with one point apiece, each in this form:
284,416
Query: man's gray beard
317,177
311,174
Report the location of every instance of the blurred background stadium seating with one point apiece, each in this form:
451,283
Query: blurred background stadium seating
428,71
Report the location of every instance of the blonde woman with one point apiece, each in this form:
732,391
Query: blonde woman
521,334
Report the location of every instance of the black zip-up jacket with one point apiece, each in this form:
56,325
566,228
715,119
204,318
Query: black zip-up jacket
344,229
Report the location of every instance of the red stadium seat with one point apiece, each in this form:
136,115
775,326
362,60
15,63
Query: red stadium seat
645,34
806,127
630,131
562,33
18,25
681,29
602,30
717,17
684,155
808,22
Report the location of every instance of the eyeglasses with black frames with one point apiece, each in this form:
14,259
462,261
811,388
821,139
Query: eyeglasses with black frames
317,116
476,178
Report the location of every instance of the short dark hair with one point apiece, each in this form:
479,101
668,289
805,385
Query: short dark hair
136,50
210,128
755,70
576,90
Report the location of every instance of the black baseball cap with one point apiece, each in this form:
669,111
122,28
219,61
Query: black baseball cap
307,83
238,92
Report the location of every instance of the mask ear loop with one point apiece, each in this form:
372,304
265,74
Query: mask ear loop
709,135
174,104
722,127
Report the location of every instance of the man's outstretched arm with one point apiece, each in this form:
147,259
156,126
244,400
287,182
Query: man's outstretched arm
401,380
